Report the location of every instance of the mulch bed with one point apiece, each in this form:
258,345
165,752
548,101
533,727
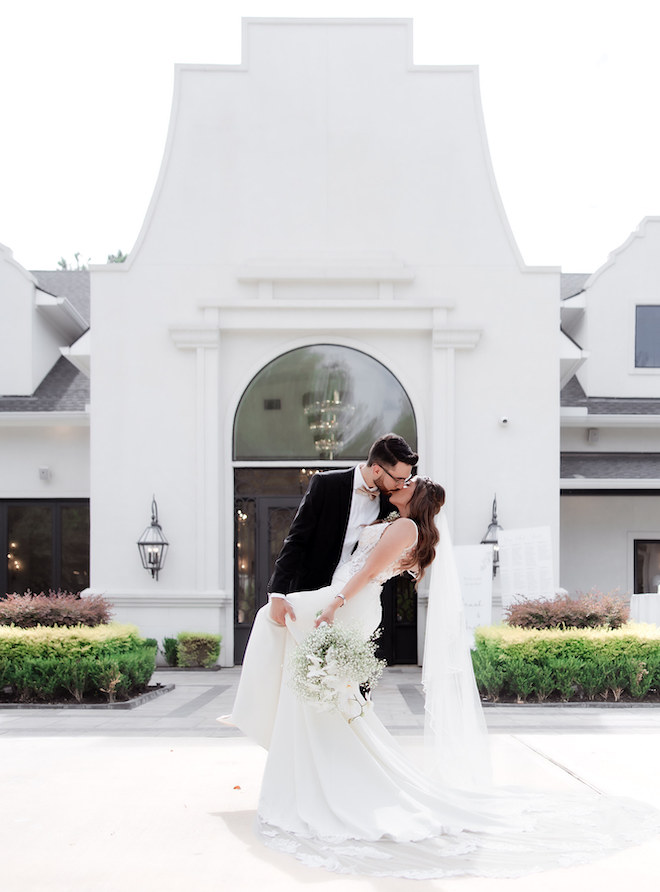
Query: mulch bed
140,694
653,697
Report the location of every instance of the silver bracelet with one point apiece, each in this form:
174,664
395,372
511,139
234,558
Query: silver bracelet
343,598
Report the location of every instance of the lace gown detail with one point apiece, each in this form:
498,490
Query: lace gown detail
345,796
369,538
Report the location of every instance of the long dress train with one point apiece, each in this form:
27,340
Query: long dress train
339,792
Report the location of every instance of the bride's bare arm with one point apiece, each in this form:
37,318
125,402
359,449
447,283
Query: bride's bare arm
400,535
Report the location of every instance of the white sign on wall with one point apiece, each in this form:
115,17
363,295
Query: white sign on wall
526,564
475,572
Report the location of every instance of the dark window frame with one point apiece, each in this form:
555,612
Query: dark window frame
641,324
638,544
56,535
298,445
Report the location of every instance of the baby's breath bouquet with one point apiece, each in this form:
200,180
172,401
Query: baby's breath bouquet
331,663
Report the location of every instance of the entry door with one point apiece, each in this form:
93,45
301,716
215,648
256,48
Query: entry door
273,516
263,514
397,644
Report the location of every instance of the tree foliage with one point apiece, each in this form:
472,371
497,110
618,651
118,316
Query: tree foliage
76,264
119,257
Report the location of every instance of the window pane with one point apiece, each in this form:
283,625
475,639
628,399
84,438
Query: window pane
647,338
29,548
406,599
279,522
647,565
245,560
75,548
323,402
273,481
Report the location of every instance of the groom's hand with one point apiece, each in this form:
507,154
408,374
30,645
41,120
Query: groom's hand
280,609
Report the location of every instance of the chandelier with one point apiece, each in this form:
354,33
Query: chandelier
327,412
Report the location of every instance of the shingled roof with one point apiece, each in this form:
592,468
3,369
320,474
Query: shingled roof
571,284
610,466
64,389
70,283
573,395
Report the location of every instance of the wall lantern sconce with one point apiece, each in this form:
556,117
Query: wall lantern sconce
492,538
152,544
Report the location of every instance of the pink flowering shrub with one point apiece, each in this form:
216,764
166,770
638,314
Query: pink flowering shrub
53,609
587,611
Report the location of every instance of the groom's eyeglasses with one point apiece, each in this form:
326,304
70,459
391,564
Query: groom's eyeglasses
403,480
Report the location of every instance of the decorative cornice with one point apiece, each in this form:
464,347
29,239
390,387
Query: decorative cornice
191,337
44,419
592,420
599,483
458,338
335,272
169,599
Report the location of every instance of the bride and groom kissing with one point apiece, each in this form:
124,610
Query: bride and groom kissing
338,791
334,510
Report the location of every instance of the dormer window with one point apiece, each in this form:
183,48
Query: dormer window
647,337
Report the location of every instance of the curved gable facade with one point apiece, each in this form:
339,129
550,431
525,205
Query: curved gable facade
324,191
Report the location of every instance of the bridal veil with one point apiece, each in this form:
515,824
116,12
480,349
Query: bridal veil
456,737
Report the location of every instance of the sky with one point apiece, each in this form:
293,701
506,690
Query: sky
569,91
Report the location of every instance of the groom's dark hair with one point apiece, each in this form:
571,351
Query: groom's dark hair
390,449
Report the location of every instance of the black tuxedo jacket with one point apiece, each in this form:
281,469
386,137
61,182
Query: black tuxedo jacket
311,551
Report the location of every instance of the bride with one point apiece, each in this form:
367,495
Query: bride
339,792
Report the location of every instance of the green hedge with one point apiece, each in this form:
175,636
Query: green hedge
570,664
170,651
108,662
192,649
197,649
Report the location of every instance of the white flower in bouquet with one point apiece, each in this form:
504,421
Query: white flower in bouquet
331,664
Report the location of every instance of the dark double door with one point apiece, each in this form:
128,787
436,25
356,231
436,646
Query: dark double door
262,517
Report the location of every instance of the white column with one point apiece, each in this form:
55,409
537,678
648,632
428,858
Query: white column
445,342
441,456
205,341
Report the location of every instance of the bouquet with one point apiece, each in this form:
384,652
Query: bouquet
331,664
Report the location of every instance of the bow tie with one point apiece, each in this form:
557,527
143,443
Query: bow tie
372,493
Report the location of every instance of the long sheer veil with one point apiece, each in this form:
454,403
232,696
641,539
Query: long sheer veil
455,733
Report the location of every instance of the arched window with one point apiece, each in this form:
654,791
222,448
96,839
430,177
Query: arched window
323,402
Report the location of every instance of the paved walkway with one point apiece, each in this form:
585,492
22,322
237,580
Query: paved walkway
162,797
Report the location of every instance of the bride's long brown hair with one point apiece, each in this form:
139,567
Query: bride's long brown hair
427,499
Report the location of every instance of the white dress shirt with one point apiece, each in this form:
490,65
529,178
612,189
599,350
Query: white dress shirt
363,512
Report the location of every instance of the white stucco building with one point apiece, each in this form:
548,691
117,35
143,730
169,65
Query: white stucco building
325,258
610,508
44,429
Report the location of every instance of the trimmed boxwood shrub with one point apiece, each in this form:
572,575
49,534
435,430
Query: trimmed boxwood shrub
170,650
107,662
55,608
197,649
568,664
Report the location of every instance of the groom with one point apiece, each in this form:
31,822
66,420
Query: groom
335,508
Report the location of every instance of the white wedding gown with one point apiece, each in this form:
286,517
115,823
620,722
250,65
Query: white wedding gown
345,796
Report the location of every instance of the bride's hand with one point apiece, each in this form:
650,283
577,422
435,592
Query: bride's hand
326,616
